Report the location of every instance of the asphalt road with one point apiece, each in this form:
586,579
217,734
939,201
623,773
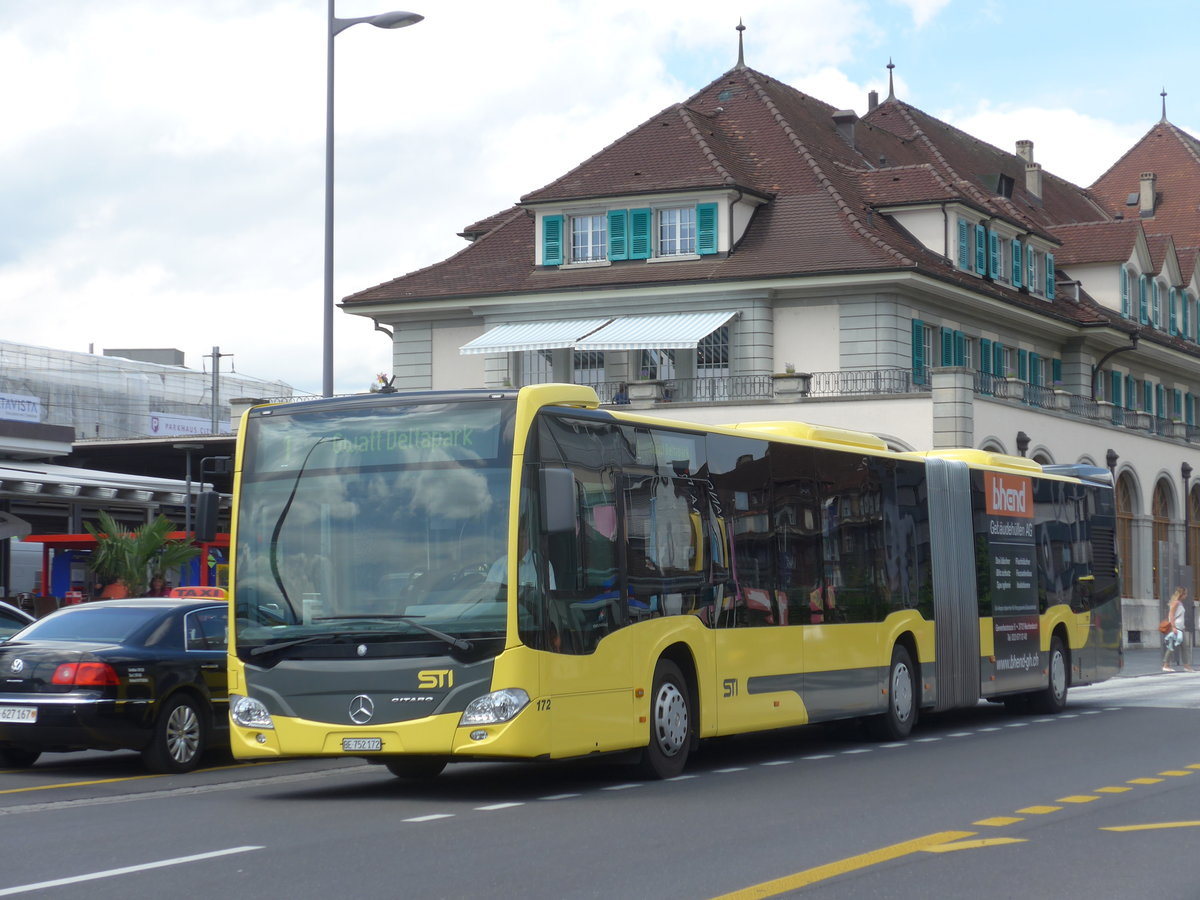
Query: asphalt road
1100,802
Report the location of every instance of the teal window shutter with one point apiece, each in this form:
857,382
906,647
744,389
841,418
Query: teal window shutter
1116,388
998,367
1177,404
1147,396
1031,275
552,240
1125,292
980,249
947,358
1160,401
1155,311
1035,369
960,349
1056,371
1049,276
1144,300
1023,365
985,356
706,228
1189,409
1130,392
1017,266
1172,317
618,234
1185,314
993,255
640,221
964,244
918,351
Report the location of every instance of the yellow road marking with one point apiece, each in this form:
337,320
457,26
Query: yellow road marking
1151,826
1039,810
1076,798
1174,773
1194,766
1112,790
997,821
972,845
1144,781
71,784
841,867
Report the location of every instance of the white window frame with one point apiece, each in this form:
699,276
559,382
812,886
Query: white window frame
589,237
675,226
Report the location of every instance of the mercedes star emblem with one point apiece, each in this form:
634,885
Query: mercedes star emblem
361,709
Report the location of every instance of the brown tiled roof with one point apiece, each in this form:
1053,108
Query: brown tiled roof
747,132
1173,156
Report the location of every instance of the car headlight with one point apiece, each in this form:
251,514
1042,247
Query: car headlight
248,712
494,708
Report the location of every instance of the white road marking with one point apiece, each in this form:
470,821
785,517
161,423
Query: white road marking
430,817
498,806
562,797
124,870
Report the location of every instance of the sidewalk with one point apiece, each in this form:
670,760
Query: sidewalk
1148,661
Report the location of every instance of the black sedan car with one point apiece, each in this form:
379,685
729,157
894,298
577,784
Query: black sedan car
146,674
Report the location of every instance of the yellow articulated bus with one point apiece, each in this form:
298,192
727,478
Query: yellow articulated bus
423,578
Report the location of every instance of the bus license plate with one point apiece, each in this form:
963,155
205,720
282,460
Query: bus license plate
362,744
23,714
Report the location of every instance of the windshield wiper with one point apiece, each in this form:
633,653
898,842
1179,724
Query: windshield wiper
457,643
337,638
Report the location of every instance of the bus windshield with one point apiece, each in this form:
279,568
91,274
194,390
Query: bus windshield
376,522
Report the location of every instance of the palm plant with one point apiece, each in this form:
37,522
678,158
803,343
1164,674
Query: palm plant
133,555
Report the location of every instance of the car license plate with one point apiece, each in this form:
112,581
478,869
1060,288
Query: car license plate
22,714
362,744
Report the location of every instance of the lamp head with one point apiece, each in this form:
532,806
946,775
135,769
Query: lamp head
398,19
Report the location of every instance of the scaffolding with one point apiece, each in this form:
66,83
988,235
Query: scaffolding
117,397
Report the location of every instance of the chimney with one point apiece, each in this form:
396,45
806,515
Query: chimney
845,119
1025,150
872,100
1146,195
1033,179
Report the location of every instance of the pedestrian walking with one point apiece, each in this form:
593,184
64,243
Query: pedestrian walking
1174,637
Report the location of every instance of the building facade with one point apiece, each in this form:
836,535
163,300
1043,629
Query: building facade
753,253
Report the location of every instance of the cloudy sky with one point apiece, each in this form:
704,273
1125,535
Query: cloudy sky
161,161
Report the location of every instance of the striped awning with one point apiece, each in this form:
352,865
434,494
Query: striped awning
676,331
533,336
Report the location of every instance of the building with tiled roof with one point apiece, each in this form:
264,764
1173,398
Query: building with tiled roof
929,287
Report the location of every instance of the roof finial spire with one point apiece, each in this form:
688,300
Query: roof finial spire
891,87
741,64
1164,96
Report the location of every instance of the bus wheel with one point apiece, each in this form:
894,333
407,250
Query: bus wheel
416,766
670,723
1053,698
897,723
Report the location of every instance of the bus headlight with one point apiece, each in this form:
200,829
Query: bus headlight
494,708
248,712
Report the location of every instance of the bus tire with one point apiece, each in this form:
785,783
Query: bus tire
1053,697
416,766
897,723
671,723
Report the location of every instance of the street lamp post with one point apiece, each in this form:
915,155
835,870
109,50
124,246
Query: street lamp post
336,27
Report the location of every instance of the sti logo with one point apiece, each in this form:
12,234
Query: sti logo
1008,495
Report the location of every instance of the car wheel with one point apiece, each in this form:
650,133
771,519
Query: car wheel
180,735
16,758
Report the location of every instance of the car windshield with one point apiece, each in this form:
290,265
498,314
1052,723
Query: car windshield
90,624
373,520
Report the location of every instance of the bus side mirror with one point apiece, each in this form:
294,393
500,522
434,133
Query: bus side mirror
207,506
558,500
